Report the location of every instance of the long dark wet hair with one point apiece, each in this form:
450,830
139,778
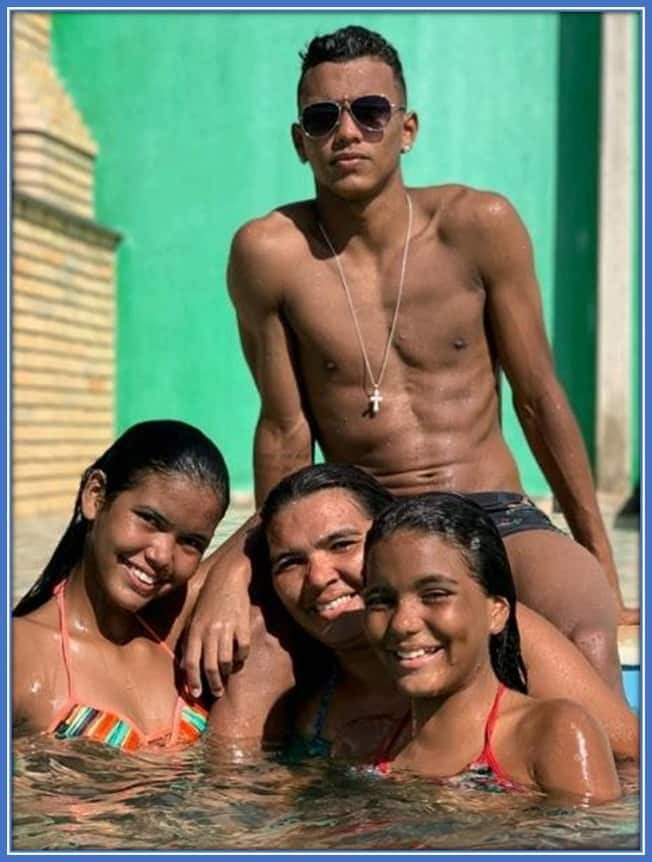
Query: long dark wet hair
368,493
465,526
162,446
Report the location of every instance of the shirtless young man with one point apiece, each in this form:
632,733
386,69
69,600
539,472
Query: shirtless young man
409,391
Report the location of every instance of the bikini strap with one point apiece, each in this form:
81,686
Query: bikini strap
155,635
492,718
382,755
58,591
488,755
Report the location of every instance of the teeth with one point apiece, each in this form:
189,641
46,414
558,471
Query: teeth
142,576
335,603
415,653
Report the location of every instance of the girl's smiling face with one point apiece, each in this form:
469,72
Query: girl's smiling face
425,615
150,538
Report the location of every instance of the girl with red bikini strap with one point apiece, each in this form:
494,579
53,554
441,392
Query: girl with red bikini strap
439,611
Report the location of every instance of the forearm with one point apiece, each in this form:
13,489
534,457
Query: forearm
218,631
231,558
556,441
255,706
279,451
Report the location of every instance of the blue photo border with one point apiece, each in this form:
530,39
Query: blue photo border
5,469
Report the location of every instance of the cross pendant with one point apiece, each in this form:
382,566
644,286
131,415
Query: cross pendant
374,401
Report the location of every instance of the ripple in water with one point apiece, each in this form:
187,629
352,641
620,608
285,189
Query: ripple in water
84,796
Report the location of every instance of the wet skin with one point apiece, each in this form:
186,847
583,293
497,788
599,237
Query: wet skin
438,424
149,540
470,305
316,546
142,549
430,621
427,618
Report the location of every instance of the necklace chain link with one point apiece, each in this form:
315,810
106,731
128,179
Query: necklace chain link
375,397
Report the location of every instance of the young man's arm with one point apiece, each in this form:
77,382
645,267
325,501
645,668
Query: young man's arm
282,444
501,245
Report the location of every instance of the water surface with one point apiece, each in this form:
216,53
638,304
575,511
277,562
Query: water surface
80,795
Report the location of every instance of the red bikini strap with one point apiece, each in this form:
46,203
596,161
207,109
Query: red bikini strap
388,743
488,755
493,715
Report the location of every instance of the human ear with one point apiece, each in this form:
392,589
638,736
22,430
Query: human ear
93,494
297,140
498,614
409,131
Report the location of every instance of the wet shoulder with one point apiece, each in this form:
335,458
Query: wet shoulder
36,633
36,643
569,752
264,249
556,728
464,215
557,718
269,236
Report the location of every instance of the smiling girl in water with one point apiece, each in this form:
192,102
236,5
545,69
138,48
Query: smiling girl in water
440,614
94,639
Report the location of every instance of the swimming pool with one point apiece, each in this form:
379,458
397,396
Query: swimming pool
81,796
632,684
84,796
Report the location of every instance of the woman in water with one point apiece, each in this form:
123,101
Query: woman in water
440,615
315,522
94,639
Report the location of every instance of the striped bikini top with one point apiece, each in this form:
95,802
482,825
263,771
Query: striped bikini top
76,720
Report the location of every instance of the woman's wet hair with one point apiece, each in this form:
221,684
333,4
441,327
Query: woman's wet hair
362,487
467,528
165,447
351,43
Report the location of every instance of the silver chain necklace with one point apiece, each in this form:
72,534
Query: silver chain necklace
375,398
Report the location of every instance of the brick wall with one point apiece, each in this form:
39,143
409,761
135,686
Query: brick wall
63,298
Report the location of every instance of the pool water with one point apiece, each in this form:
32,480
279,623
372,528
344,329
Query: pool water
84,796
632,686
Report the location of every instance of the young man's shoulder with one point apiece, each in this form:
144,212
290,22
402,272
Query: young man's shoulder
269,233
465,210
263,252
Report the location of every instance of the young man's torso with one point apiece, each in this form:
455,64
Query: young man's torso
438,423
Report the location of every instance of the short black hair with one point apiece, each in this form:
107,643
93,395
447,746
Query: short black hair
351,43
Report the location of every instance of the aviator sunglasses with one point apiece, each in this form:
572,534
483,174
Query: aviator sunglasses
371,113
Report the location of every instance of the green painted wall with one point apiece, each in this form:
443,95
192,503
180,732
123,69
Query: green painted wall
576,231
191,112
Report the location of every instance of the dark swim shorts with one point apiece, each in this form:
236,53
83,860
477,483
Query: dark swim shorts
513,513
